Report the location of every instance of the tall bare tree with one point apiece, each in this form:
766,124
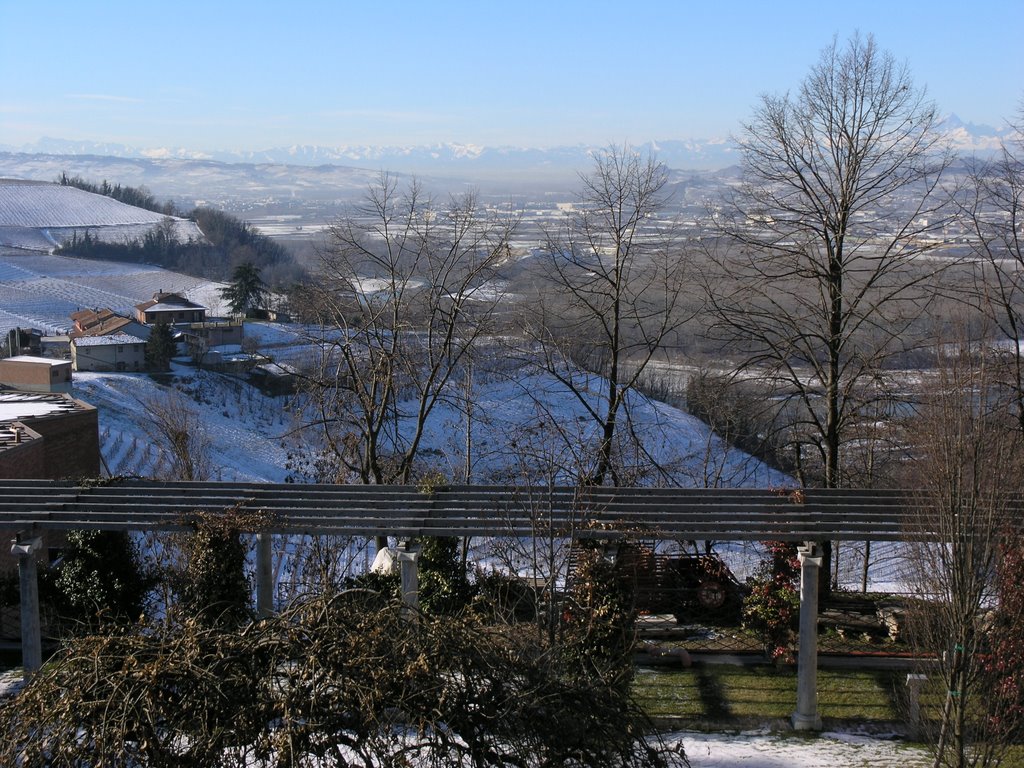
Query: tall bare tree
816,282
967,463
401,297
814,286
616,276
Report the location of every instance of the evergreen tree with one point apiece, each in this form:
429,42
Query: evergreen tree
160,348
247,290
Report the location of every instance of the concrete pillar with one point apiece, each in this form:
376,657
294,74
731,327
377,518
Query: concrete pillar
31,636
806,717
914,685
264,575
408,557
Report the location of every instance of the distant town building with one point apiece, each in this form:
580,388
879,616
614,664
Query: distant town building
24,341
170,308
117,352
275,378
30,373
56,346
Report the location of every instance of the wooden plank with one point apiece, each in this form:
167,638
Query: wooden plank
741,514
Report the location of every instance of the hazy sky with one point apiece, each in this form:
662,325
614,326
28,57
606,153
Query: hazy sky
220,74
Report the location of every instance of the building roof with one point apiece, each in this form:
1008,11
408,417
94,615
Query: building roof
166,306
101,322
168,302
110,340
39,360
15,406
86,318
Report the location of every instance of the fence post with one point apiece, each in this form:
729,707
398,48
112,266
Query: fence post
806,717
31,635
914,683
264,574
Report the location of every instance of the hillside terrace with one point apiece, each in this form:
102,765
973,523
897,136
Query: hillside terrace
41,216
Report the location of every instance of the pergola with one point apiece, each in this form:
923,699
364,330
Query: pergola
807,516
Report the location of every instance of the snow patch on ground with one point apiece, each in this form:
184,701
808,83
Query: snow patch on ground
762,749
517,412
10,683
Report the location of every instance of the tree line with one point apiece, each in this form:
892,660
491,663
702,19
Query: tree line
139,197
230,242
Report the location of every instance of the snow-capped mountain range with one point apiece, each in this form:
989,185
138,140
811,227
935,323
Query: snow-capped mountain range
692,154
434,159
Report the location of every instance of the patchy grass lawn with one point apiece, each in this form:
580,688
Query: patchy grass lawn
721,692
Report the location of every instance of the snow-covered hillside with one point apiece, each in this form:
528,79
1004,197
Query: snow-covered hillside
246,430
520,413
39,216
41,291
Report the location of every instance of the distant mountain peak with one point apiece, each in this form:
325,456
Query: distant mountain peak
458,157
972,137
439,157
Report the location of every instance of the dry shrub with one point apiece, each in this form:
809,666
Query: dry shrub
342,680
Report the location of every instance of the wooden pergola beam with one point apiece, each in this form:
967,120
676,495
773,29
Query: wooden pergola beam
808,516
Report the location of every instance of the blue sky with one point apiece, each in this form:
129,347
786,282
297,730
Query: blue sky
221,74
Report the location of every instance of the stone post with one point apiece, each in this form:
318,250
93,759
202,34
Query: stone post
31,634
408,557
264,575
914,684
806,717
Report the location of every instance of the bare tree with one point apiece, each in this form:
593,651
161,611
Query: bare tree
967,464
815,280
992,208
401,297
615,277
179,435
813,285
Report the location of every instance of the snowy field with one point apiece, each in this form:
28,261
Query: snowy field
246,430
41,291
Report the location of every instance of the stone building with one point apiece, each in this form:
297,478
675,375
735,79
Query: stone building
117,352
